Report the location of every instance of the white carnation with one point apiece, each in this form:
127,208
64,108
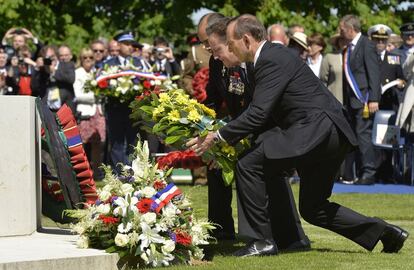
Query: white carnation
104,195
148,192
103,208
127,189
94,83
121,240
168,247
79,228
124,228
83,242
149,218
112,82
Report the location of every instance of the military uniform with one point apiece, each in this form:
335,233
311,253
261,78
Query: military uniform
404,51
196,59
390,70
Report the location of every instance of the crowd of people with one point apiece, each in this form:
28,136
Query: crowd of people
56,74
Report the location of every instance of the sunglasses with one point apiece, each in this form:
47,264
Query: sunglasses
88,57
100,51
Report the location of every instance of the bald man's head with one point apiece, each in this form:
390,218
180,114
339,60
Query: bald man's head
277,33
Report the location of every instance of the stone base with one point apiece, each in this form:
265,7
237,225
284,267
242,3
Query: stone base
51,249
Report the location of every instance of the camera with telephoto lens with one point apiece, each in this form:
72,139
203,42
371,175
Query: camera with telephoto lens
47,61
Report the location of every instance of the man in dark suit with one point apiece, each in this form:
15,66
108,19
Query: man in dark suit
219,211
235,87
122,135
165,62
53,79
362,94
299,124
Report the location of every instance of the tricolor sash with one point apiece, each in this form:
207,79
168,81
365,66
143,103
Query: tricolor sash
164,196
146,75
350,77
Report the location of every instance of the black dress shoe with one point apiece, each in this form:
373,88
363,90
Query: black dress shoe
364,181
302,245
263,247
393,238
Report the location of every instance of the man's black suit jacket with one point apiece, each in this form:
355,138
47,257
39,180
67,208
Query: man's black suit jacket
290,105
365,69
170,68
217,90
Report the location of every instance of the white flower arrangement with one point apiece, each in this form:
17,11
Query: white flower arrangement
142,217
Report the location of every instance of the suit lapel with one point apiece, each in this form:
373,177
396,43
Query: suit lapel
357,47
266,46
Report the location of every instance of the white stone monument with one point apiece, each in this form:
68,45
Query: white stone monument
19,167
23,243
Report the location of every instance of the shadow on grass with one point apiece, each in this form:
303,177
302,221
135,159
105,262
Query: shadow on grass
222,248
338,250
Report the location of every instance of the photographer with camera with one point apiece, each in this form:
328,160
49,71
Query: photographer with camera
19,74
165,62
19,37
53,79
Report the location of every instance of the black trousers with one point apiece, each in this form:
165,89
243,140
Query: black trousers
219,203
285,222
317,170
122,135
366,157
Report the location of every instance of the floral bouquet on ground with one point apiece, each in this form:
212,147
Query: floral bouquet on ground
175,117
123,83
142,217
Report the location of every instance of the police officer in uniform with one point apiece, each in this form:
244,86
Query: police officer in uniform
407,34
122,135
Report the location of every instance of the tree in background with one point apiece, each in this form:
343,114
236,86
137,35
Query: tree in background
76,23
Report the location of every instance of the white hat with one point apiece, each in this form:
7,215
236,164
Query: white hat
300,38
379,31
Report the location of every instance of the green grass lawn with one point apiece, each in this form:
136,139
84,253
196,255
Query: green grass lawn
329,250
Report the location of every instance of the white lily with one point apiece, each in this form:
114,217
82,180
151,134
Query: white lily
149,235
123,205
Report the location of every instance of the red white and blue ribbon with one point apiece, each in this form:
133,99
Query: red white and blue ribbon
138,74
350,77
164,196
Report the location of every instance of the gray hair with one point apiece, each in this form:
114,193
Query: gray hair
218,28
211,18
353,21
248,24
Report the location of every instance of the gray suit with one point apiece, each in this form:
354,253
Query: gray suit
331,74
